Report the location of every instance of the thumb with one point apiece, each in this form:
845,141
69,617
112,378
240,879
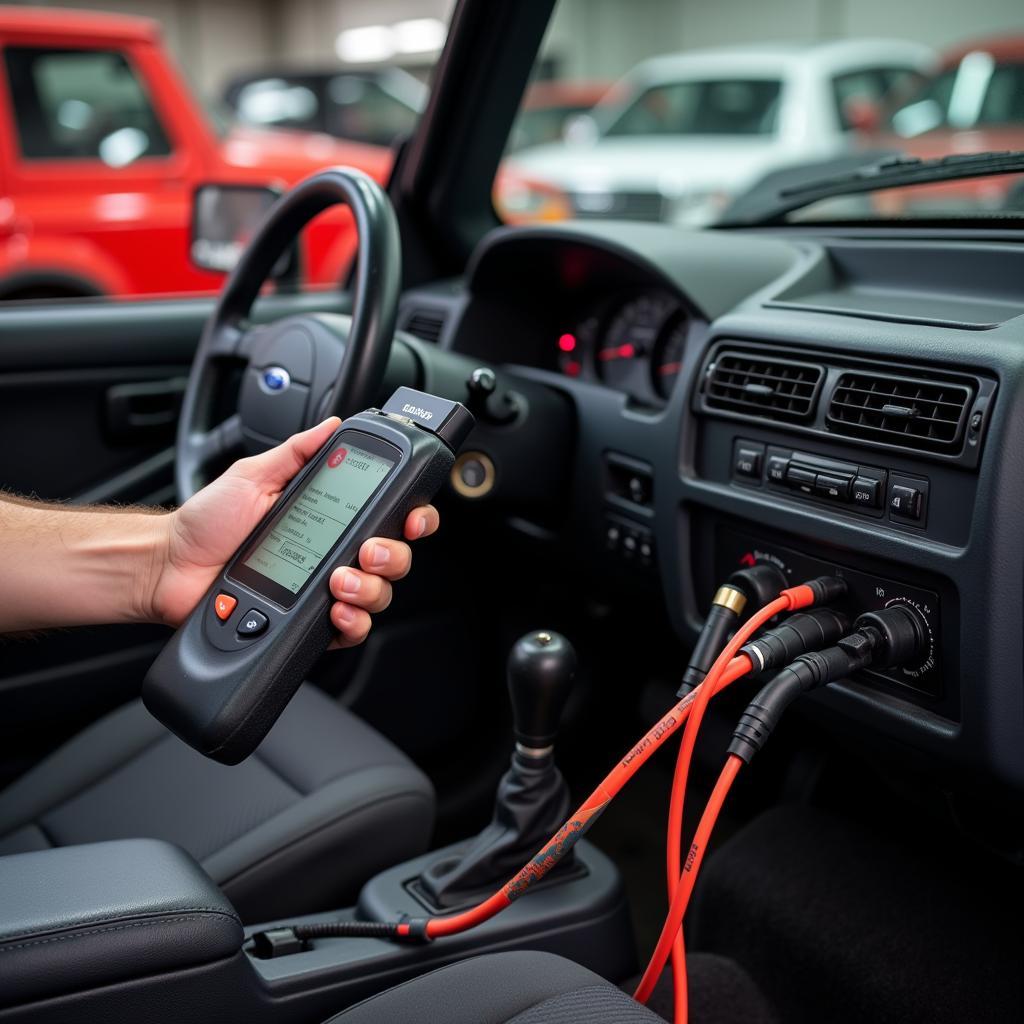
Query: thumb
273,469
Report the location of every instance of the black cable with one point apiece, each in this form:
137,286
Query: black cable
890,636
275,942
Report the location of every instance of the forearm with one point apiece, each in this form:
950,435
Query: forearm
67,566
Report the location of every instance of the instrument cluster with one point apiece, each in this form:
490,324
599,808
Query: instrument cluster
631,342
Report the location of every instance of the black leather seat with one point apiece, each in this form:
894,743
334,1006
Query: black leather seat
501,988
323,804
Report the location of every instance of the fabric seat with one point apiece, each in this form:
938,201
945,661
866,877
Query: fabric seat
323,804
503,988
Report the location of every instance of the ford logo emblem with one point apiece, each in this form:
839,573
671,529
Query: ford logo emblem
275,380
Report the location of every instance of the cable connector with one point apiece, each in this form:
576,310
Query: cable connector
822,590
760,583
890,636
295,938
802,632
899,634
726,608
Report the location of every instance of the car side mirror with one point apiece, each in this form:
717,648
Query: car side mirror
580,130
224,220
862,115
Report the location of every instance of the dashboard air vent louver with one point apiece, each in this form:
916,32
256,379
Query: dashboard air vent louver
924,415
426,325
768,386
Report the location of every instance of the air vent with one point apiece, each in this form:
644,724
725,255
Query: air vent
780,389
925,415
426,324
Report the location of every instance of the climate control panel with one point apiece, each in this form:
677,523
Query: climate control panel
869,490
867,592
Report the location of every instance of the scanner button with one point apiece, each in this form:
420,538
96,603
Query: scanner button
252,623
224,605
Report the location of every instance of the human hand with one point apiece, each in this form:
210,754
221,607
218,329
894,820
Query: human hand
205,532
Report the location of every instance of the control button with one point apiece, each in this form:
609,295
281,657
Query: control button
747,462
905,501
777,466
252,623
646,551
224,605
612,536
639,490
802,479
832,486
866,492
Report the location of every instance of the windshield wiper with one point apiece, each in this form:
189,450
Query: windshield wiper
778,194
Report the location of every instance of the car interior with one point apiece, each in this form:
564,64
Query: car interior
667,440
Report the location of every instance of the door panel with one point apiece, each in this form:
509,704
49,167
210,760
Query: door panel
88,410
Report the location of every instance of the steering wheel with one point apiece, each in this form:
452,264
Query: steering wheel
299,369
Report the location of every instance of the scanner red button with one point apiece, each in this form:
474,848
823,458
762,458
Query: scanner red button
224,605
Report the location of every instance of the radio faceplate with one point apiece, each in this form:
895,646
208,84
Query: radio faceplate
736,549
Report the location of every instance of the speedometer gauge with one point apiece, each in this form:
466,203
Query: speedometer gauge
625,351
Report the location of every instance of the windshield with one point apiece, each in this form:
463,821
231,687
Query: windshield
723,107
705,103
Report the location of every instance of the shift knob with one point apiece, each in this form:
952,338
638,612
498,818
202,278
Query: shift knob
541,666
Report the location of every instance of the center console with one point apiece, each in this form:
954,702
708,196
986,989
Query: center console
135,930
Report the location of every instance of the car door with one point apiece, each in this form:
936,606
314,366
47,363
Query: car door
89,396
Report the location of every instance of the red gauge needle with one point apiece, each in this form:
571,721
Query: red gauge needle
626,351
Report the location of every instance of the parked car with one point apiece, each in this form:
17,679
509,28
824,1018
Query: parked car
379,105
102,148
549,109
370,106
973,103
681,134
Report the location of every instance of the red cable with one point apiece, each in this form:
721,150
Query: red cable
589,811
674,920
788,600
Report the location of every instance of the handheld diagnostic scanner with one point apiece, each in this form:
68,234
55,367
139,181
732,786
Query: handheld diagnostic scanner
226,675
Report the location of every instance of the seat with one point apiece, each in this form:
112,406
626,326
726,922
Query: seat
539,988
502,988
323,804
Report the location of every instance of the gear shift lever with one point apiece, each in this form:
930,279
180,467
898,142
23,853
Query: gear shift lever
532,801
541,667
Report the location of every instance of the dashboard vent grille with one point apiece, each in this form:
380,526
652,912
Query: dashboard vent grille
776,388
920,414
426,325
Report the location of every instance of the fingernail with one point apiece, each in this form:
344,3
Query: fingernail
345,615
350,583
421,526
380,555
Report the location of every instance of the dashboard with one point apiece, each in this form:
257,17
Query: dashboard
827,404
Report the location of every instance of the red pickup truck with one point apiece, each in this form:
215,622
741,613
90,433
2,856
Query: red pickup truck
102,149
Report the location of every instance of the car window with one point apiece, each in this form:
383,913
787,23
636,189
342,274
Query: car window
279,103
366,111
718,107
81,104
1003,103
977,93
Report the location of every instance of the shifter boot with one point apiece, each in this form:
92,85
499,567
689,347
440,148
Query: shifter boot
532,804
